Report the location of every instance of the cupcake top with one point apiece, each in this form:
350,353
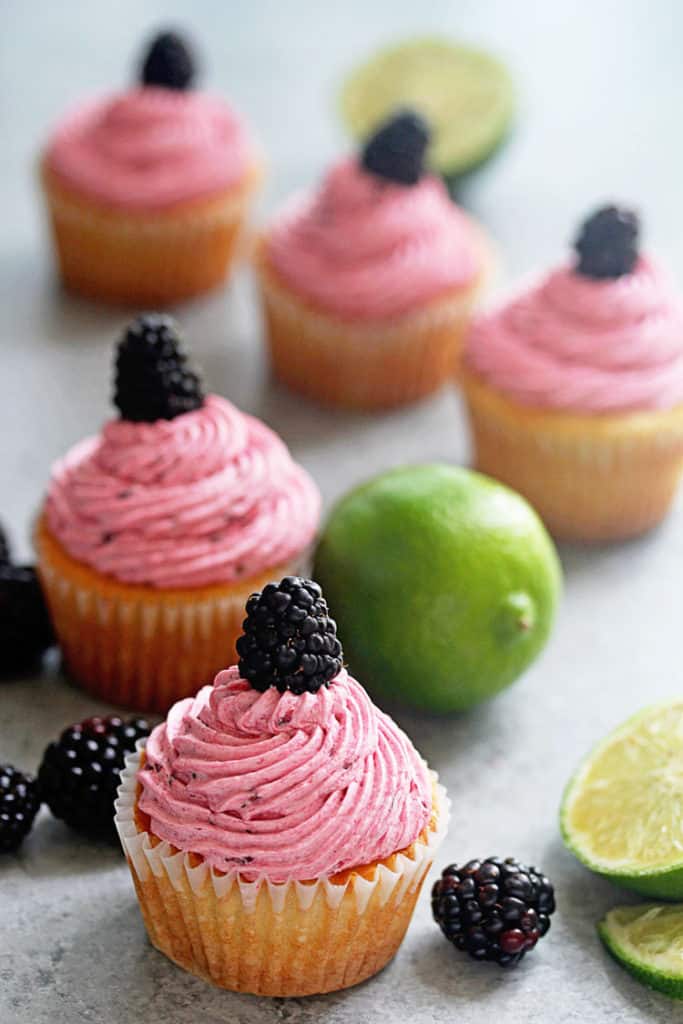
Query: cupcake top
380,237
155,145
295,780
183,490
602,334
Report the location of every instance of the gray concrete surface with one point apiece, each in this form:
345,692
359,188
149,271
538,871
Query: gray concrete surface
600,87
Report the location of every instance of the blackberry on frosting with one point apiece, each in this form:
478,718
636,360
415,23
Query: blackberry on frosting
397,150
607,243
153,380
168,62
289,640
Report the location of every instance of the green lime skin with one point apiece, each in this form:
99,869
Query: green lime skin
466,94
444,585
668,982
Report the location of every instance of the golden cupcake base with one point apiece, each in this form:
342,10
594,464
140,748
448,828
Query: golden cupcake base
371,365
290,939
146,258
139,646
590,477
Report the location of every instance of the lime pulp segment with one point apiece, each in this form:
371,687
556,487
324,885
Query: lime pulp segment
622,814
647,940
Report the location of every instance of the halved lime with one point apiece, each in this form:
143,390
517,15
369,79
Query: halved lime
647,940
622,813
465,94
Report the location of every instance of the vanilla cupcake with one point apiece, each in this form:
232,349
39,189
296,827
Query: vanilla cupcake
154,532
278,826
368,282
574,387
148,189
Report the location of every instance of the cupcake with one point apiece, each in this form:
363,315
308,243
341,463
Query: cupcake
368,282
574,387
154,533
148,189
279,826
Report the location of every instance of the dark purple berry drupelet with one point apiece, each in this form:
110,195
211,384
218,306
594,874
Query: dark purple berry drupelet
19,804
25,628
607,243
289,640
4,548
80,772
493,909
397,150
153,380
168,62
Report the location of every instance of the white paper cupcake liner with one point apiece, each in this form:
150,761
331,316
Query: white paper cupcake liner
159,860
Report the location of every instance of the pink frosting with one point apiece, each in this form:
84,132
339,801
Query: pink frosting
567,341
211,496
362,247
151,148
284,786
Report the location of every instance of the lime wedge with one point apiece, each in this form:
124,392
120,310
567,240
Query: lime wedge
465,94
647,940
622,813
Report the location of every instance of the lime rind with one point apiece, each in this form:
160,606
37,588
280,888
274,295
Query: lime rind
647,941
465,93
663,880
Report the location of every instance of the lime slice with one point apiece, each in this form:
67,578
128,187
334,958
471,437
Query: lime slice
622,813
465,94
647,940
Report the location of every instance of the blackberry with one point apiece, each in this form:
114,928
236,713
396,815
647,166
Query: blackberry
80,772
152,378
397,150
493,909
25,628
289,640
19,804
168,62
607,243
4,548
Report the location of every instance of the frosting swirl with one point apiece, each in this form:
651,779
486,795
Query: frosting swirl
150,148
211,496
365,247
567,341
286,786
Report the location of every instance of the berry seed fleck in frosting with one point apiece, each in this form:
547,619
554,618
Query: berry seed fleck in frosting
282,785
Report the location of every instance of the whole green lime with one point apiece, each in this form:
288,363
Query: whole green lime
443,583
